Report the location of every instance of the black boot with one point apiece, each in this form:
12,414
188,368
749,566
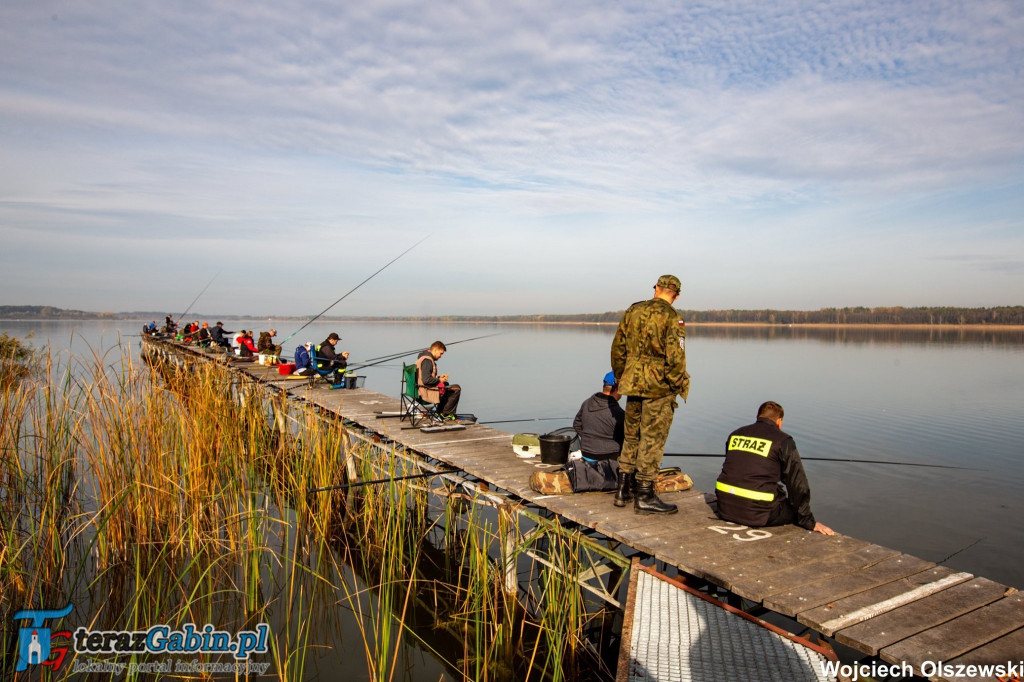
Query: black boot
624,493
647,502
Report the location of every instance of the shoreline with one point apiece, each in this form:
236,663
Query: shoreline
575,323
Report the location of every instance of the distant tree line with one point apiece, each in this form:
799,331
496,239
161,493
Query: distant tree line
48,312
930,315
1003,315
927,315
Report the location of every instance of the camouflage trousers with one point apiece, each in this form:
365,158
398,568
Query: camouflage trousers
647,423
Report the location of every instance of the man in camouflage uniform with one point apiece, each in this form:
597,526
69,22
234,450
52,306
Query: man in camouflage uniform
649,362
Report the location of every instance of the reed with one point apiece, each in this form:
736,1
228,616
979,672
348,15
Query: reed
176,493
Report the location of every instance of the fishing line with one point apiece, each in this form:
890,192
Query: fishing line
836,459
312,319
535,419
963,549
196,299
395,356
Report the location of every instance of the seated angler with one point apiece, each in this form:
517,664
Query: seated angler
329,359
246,347
203,337
218,335
758,458
303,364
600,422
266,344
433,388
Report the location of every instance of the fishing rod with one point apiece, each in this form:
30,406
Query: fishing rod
344,486
836,459
195,299
535,419
395,356
315,317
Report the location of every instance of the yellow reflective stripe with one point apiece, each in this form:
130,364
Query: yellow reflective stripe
757,446
743,492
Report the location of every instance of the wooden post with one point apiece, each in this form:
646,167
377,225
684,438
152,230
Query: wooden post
509,553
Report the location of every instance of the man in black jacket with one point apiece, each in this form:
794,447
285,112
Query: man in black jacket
757,458
327,358
600,421
217,334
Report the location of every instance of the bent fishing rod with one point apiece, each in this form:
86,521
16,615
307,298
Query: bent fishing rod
837,459
350,291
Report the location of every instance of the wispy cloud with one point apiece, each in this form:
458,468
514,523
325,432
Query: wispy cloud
257,118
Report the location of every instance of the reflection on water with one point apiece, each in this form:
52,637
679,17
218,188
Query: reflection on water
864,334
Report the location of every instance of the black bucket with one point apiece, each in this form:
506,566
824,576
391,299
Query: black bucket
554,448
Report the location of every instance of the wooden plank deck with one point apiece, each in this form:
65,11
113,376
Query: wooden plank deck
873,599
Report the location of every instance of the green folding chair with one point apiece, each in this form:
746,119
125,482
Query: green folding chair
414,408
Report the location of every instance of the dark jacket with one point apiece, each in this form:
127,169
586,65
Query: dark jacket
758,457
599,423
217,334
325,351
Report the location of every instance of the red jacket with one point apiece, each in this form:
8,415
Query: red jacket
246,343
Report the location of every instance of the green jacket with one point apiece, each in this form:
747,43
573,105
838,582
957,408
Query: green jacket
648,351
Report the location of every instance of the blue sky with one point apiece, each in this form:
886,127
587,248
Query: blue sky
561,155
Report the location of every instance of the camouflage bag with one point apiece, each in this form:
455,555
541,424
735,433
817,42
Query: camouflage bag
672,479
557,482
550,482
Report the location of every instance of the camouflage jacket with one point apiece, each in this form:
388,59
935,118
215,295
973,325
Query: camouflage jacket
648,351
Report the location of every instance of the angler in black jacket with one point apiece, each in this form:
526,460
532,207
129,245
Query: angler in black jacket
217,334
757,458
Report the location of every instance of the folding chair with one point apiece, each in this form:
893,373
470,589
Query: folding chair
419,412
414,408
328,375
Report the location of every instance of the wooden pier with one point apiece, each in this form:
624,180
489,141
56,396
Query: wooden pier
873,599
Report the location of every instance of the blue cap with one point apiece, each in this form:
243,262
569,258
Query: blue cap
609,379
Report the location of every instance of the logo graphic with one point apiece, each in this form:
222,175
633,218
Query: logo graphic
34,640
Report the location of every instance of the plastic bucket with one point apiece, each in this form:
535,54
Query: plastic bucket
554,448
286,368
353,381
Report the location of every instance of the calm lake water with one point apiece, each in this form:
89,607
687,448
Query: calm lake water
932,397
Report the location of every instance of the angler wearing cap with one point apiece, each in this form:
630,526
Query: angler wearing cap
217,334
649,362
600,421
326,356
266,343
204,335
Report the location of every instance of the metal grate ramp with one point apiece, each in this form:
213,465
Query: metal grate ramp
677,636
